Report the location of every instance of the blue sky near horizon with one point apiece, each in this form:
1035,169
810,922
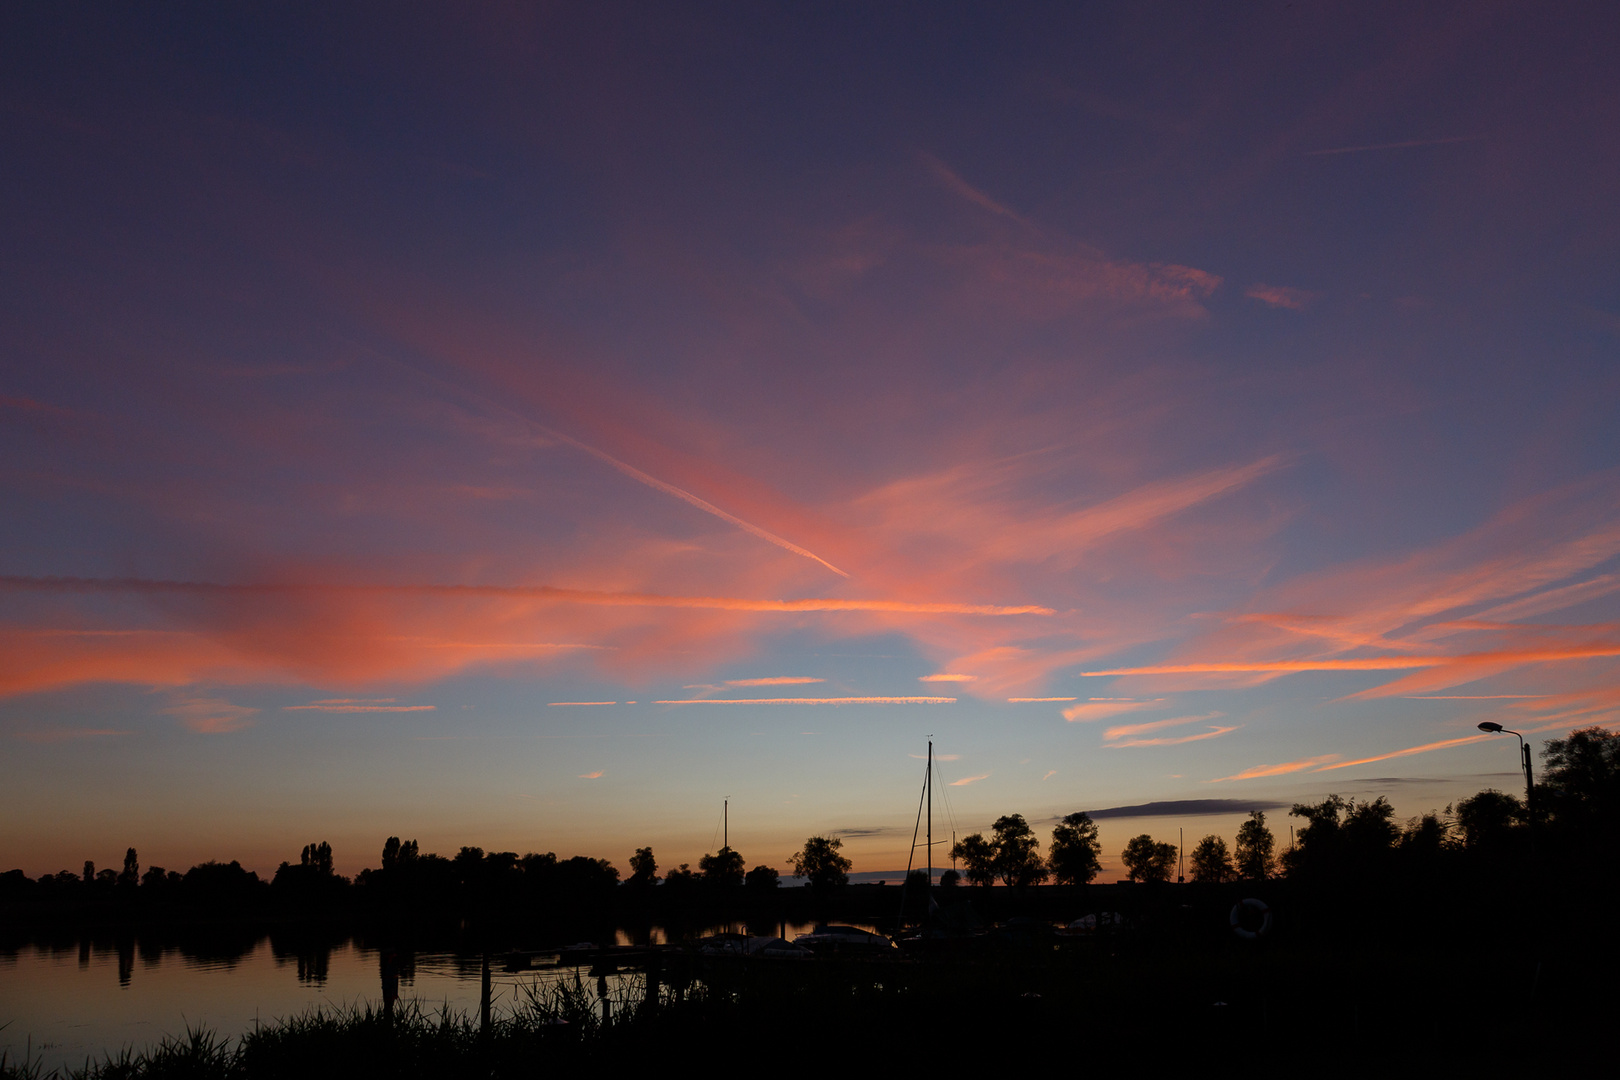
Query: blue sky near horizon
376,383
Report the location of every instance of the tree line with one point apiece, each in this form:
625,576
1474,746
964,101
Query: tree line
1575,809
1570,822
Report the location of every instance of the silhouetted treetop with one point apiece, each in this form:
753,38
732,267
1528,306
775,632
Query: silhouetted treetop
820,861
1211,864
977,856
1075,856
724,869
1147,859
1253,858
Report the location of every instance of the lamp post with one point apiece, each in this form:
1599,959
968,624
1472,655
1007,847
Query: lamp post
1524,758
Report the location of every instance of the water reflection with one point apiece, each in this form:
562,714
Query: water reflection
78,997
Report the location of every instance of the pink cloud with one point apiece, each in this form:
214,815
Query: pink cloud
1281,296
211,715
775,680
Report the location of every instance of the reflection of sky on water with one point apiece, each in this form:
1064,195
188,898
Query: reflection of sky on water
78,1001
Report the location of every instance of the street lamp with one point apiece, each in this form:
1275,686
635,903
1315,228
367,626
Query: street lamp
1524,757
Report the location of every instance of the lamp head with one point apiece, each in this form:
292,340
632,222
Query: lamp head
1490,727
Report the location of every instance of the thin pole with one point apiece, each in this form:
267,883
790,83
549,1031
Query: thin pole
928,889
725,824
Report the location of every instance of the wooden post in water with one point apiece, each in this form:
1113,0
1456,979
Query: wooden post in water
483,1001
602,994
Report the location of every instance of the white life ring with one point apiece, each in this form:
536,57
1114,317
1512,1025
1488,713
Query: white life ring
1257,907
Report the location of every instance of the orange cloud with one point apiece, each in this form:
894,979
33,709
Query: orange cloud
946,677
582,703
966,780
1123,730
1026,700
1213,733
1277,770
1102,709
534,592
1376,663
597,775
1424,749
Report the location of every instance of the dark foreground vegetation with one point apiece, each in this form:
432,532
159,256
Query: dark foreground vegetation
1482,934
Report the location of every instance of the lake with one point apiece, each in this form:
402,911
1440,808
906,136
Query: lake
69,1001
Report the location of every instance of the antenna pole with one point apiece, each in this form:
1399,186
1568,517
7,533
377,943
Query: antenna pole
725,824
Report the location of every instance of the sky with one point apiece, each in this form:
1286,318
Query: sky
532,426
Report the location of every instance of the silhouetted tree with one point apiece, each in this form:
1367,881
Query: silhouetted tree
819,861
1018,857
1075,855
682,877
1148,860
1580,784
1490,822
643,868
1426,838
762,879
1254,848
131,874
723,869
1210,861
318,857
949,879
390,854
977,856
1343,838
89,871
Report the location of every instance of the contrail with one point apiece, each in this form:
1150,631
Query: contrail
686,496
814,701
534,592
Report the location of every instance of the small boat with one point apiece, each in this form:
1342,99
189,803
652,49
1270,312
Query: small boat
770,948
825,938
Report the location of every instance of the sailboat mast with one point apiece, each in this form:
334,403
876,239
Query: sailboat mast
930,787
725,824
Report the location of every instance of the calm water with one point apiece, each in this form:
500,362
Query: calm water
70,1004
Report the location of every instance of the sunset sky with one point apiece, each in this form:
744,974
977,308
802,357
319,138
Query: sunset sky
528,426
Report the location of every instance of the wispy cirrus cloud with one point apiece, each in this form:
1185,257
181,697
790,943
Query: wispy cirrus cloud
1402,145
1282,296
687,497
1127,735
958,186
597,775
357,705
966,780
775,680
1281,769
1443,744
56,735
949,676
1102,709
815,701
210,715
